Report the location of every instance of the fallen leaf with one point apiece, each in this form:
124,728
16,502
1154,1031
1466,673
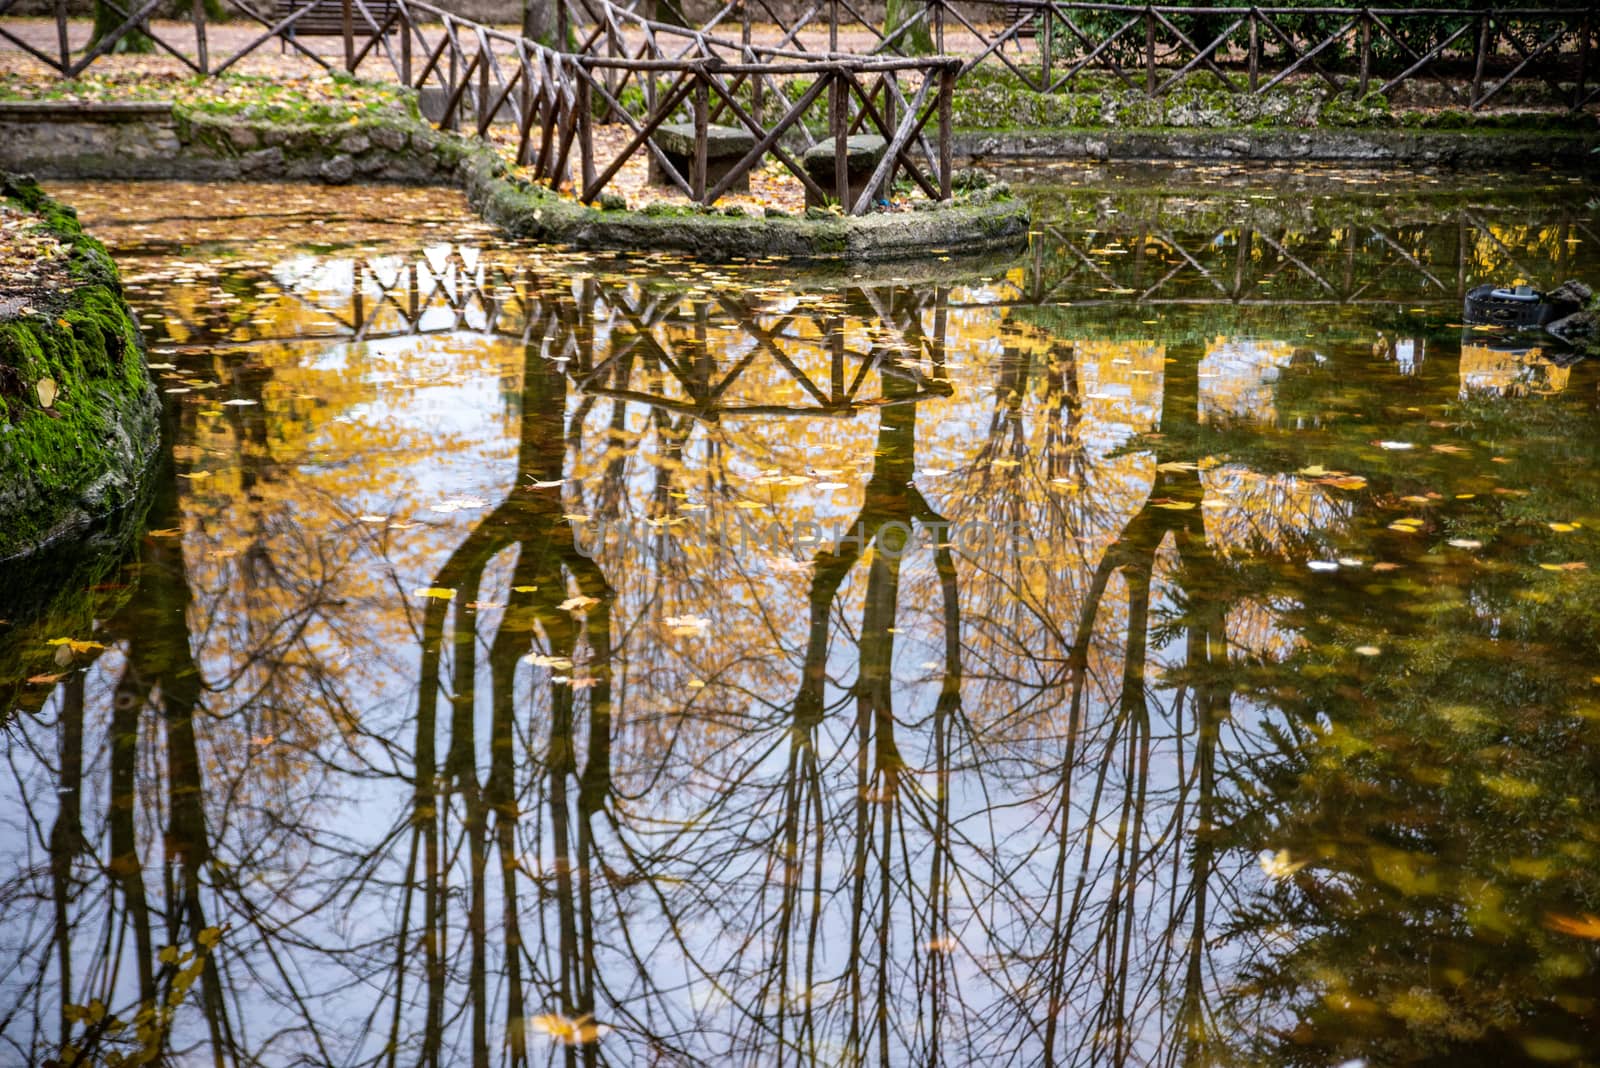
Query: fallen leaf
578,603
47,680
1278,865
436,592
1585,926
46,389
75,645
576,1032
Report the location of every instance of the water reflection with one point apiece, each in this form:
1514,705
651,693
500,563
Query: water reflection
530,659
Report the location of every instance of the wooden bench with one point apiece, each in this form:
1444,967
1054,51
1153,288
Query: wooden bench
326,18
1010,14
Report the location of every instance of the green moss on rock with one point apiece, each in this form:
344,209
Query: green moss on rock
83,456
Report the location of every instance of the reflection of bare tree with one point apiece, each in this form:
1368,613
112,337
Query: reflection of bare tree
813,856
100,875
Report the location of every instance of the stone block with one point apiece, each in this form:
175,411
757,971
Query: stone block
725,146
390,137
338,170
863,152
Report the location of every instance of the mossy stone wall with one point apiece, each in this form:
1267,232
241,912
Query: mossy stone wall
83,456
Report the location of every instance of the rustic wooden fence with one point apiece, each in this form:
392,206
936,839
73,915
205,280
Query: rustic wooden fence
642,73
1249,49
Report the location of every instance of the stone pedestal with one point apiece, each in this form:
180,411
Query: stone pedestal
863,152
725,146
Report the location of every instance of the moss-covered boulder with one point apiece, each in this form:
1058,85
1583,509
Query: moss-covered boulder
79,418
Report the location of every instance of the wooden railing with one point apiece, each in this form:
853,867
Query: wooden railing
787,95
1253,51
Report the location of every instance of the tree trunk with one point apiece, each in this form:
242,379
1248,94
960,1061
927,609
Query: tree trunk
917,41
108,19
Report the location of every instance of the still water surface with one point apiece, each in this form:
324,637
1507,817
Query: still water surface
1180,644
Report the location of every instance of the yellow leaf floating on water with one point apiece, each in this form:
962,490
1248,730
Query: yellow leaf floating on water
1572,565
578,603
1585,926
555,663
1345,482
523,589
1278,865
577,1032
687,625
437,592
75,645
1176,506
1564,528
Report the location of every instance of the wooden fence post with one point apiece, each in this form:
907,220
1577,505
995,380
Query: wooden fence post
1255,51
1046,47
349,36
947,86
484,105
887,192
702,122
1585,31
1366,49
61,35
839,125
1483,56
585,132
197,11
1149,52
405,46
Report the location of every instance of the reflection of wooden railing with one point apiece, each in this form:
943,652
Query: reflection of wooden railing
664,330
1371,264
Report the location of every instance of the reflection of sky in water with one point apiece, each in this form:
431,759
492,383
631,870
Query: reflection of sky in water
989,787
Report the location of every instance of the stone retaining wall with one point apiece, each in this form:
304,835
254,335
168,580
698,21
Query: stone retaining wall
1486,148
159,140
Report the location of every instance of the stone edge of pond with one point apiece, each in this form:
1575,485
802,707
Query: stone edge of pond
171,140
1455,148
979,223
69,465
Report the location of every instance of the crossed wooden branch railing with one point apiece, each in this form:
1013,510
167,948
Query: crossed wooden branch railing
787,95
1523,42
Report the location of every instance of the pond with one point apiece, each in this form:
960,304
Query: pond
1180,644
